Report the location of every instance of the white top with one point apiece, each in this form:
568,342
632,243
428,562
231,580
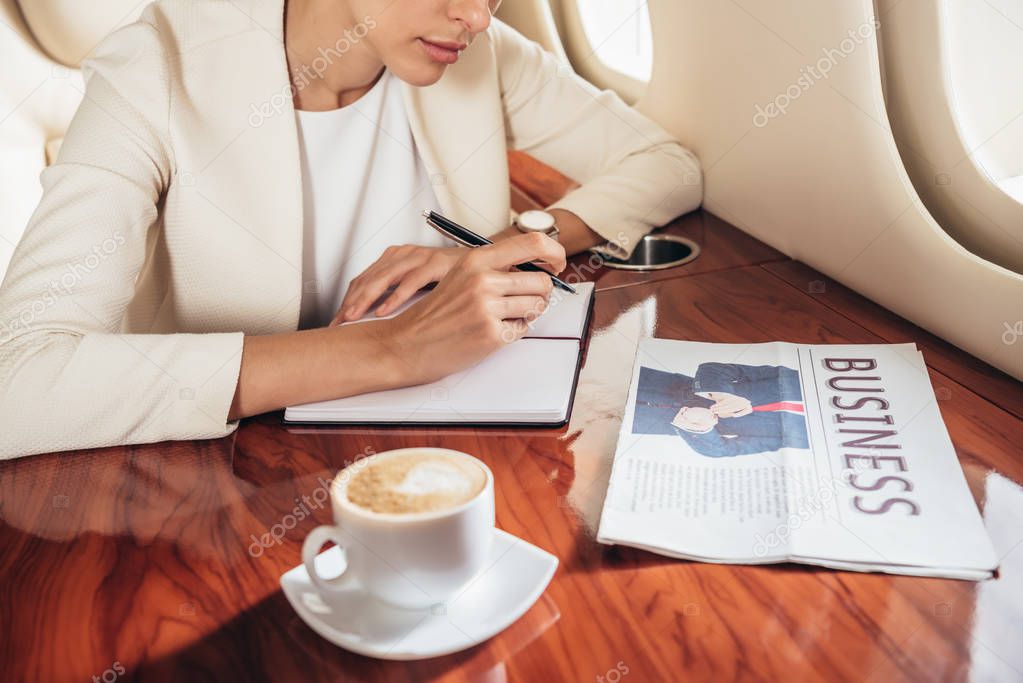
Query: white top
364,188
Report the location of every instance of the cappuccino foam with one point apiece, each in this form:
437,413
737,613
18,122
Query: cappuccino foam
416,482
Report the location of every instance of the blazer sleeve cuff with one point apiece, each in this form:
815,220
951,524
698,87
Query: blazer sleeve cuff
206,386
176,386
633,197
65,392
603,216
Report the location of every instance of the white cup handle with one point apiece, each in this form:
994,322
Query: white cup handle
311,548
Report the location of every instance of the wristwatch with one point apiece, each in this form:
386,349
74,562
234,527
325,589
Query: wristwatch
537,221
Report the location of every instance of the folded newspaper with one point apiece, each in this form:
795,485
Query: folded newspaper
833,455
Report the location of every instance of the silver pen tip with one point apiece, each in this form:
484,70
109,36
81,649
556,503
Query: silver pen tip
426,213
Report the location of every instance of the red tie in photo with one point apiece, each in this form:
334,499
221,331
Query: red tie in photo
790,406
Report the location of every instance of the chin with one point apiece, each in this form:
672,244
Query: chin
421,75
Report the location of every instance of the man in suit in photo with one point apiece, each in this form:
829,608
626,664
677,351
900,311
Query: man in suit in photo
727,409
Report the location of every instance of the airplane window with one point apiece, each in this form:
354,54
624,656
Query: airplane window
986,59
619,34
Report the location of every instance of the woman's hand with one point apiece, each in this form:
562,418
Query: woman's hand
408,268
479,306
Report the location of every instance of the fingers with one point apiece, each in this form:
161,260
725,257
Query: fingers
411,284
521,249
527,308
513,330
517,282
354,305
370,286
422,265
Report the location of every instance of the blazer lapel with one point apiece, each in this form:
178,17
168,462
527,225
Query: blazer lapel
239,168
458,126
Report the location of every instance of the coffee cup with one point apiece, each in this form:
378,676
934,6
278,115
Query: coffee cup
415,524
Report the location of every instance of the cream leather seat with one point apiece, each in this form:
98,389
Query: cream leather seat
42,43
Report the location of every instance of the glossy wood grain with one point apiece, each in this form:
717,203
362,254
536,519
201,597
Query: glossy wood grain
147,559
143,556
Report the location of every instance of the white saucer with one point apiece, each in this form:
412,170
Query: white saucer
516,575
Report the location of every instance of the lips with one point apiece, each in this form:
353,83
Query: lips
443,52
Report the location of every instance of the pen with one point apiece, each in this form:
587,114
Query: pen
468,238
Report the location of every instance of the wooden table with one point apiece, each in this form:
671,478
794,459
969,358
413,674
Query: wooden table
137,559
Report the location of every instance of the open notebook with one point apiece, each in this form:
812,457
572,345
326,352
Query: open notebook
530,382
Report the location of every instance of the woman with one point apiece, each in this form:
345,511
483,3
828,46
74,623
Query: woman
211,206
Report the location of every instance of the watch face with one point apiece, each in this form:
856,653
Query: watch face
538,221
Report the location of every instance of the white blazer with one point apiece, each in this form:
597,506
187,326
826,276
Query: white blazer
170,224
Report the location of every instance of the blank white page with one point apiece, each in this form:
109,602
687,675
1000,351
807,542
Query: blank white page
528,381
565,315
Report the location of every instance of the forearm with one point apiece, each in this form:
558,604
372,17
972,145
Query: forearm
291,368
573,233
